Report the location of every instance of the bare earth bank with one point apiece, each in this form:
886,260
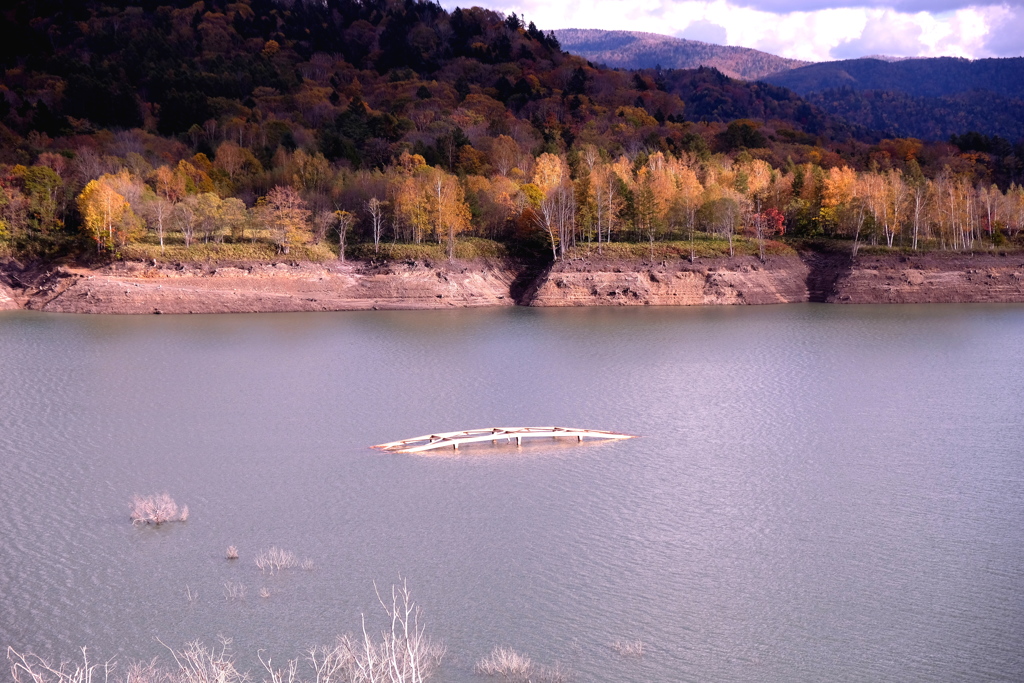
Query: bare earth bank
137,288
134,288
824,277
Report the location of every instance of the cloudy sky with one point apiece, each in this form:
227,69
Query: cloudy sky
814,30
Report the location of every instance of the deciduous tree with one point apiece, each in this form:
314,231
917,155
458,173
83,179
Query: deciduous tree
287,217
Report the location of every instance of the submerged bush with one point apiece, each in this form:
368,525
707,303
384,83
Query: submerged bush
629,648
400,653
156,509
518,668
506,662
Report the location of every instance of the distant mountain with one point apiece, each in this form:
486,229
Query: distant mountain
638,50
930,99
888,58
709,95
932,77
926,118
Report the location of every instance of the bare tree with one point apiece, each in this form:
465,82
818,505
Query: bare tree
343,220
919,195
157,212
375,207
287,217
504,154
183,217
558,217
323,221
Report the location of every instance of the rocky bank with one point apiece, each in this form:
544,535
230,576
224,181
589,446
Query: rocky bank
931,278
138,288
741,280
7,300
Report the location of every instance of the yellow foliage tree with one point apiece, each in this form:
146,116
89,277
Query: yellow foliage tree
106,215
448,208
287,217
410,204
548,172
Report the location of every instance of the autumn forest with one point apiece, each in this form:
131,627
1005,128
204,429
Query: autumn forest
389,129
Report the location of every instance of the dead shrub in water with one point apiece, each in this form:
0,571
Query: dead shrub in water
30,668
276,560
629,648
518,668
148,672
401,653
506,662
156,509
196,664
200,664
231,553
234,591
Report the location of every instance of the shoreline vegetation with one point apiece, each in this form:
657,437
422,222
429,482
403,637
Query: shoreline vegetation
214,132
356,140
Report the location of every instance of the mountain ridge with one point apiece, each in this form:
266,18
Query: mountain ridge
642,50
930,98
919,76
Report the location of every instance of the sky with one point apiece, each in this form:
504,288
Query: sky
813,30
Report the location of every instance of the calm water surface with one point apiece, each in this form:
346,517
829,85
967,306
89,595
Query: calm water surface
820,493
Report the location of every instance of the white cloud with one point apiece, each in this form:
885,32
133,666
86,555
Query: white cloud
705,31
975,31
1007,36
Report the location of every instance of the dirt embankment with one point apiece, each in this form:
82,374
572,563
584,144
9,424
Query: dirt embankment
11,286
930,278
823,277
136,288
741,280
7,300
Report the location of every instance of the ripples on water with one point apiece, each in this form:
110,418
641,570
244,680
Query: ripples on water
820,493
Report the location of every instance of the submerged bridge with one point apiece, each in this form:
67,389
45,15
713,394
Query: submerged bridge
430,442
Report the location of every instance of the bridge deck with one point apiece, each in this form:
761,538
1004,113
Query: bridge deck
429,442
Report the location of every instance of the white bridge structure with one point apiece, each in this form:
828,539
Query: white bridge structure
429,442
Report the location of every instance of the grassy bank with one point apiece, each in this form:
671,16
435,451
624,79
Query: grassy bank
175,251
703,246
468,248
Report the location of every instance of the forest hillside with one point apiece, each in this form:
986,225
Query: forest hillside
376,129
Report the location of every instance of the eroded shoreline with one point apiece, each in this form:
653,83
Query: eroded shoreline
134,288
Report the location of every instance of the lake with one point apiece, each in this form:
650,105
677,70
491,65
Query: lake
819,492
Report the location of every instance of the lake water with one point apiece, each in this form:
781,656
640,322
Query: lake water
820,492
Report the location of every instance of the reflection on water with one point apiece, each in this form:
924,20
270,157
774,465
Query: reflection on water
820,493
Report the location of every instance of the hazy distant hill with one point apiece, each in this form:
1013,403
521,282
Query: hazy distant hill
926,118
638,50
929,98
924,98
933,77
